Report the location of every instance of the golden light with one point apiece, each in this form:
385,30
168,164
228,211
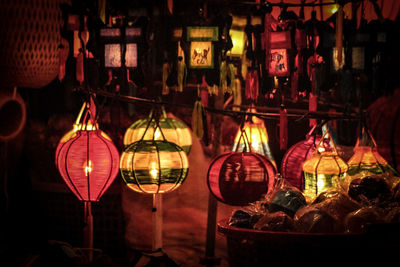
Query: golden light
238,40
88,168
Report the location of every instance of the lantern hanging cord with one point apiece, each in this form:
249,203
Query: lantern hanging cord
234,113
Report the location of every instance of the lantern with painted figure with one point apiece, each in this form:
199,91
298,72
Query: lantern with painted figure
174,130
239,178
323,169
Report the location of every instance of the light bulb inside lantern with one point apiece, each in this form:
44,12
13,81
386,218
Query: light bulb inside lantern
153,170
88,168
321,149
157,134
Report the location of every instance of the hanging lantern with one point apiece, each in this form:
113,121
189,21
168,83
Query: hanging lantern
239,178
322,169
156,165
173,129
292,161
257,135
366,157
87,159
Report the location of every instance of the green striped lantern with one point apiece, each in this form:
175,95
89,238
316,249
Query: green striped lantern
153,166
174,130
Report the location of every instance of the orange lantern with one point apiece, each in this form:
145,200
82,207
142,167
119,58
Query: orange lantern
257,138
366,157
322,169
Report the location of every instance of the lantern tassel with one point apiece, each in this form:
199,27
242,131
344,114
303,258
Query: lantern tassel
197,119
62,58
88,229
283,133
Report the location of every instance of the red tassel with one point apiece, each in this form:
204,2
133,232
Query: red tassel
283,133
312,106
62,58
251,90
79,68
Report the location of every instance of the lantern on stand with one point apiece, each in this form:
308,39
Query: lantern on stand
239,178
174,130
257,137
154,166
292,161
322,169
88,161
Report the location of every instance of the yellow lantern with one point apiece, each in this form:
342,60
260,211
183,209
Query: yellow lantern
257,136
323,169
366,158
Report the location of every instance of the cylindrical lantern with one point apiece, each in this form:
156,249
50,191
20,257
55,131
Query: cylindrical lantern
292,161
153,166
366,157
174,131
239,178
257,137
87,159
322,169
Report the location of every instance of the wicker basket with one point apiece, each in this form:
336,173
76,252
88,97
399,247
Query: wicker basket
247,247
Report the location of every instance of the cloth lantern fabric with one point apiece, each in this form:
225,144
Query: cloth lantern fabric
174,131
292,161
257,136
238,178
153,165
87,160
322,169
366,157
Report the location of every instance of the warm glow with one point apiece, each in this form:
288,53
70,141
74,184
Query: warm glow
153,170
87,127
238,42
88,168
157,134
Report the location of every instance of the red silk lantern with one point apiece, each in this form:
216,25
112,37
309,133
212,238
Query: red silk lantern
239,178
87,159
292,161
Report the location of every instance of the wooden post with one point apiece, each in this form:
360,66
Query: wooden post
157,222
88,230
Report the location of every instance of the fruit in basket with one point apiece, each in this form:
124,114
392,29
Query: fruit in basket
243,219
310,219
357,221
277,221
287,200
370,188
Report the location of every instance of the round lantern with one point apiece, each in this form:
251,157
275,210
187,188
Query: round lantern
292,161
174,131
257,138
239,178
153,166
322,169
366,157
87,159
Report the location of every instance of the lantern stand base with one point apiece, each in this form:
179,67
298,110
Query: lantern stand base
88,230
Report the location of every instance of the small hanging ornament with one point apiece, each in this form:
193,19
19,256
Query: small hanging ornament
239,178
182,73
322,169
174,130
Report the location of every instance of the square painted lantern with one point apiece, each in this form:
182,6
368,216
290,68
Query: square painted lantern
201,46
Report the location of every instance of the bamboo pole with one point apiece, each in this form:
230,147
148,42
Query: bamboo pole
157,222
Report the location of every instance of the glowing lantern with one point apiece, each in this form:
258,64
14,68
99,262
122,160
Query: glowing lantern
366,157
88,162
174,131
239,178
257,138
153,166
292,161
322,169
87,159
